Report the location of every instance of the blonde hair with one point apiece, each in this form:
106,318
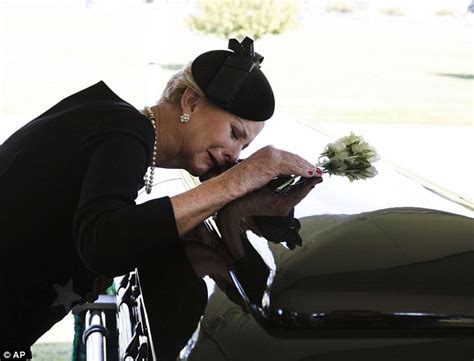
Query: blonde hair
177,85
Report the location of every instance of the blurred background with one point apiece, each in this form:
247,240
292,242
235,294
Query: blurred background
398,72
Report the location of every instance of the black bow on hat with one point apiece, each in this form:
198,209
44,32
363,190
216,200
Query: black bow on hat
245,48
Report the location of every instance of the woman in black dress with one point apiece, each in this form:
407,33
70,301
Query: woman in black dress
69,179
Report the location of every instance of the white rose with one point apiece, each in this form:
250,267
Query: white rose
351,139
370,172
337,147
359,147
373,156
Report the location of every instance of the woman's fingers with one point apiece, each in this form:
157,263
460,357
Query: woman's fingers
293,164
283,205
282,162
263,202
298,193
266,164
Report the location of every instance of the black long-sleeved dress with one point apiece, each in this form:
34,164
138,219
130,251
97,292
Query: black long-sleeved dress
68,183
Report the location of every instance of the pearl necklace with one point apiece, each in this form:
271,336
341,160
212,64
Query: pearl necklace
151,172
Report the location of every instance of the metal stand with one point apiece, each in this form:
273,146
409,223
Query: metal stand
96,333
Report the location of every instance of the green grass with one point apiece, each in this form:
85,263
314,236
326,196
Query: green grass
396,72
335,68
51,352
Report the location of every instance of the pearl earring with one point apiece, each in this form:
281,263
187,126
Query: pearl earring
185,117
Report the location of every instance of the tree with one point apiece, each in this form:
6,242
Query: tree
240,18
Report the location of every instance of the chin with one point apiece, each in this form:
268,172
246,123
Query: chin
197,167
197,172
194,173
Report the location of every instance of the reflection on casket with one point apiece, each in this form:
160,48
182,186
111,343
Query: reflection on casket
403,261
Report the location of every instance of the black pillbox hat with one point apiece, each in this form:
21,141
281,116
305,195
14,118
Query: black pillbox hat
233,80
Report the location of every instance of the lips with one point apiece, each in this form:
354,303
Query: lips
214,161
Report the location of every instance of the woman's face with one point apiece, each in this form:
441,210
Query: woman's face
213,137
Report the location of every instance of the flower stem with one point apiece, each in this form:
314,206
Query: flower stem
284,185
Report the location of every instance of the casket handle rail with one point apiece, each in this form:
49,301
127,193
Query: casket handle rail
285,323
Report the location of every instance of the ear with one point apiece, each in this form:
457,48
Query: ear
189,100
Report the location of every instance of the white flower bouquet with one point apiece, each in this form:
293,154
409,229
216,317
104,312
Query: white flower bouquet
349,156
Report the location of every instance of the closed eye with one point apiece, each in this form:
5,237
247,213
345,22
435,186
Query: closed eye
233,134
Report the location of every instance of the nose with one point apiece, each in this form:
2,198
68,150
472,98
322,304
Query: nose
233,153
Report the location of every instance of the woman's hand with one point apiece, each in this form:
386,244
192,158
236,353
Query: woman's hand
262,202
263,166
194,206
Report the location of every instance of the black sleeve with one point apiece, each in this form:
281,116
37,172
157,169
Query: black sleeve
111,232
